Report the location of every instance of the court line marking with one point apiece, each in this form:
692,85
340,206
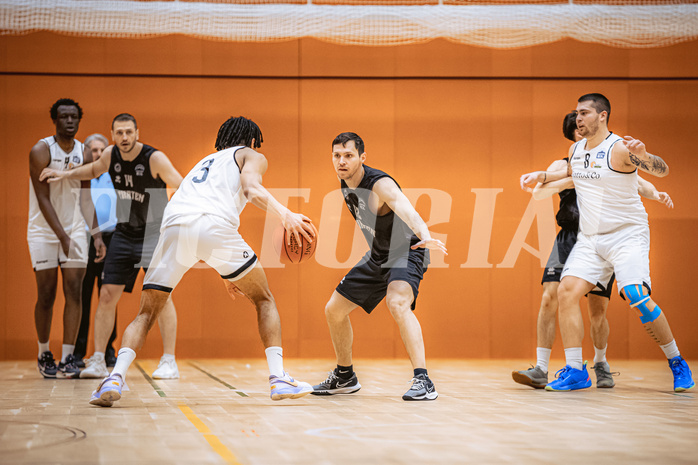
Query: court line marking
229,386
155,386
215,443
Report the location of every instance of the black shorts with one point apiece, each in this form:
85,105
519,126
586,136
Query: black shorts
564,243
126,256
367,283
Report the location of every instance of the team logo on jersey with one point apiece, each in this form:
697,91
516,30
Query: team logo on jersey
140,169
117,167
117,179
362,204
595,165
76,159
601,154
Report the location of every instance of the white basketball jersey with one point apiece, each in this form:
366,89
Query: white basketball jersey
65,194
607,199
212,187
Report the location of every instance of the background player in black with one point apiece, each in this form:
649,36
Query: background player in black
392,268
140,175
597,301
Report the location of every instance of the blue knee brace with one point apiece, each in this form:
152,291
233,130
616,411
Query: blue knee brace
638,299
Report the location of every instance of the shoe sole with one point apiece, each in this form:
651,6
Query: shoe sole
62,375
290,395
682,389
101,403
429,396
332,392
526,381
166,377
602,385
575,387
48,375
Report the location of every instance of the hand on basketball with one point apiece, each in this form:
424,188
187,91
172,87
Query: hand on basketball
431,243
50,175
529,180
635,146
663,197
232,289
299,225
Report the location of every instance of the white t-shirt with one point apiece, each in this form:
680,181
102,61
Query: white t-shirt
64,195
607,199
212,187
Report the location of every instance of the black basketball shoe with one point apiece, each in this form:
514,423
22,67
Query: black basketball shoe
336,385
69,369
47,365
422,389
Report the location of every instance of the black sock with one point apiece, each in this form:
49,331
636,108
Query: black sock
420,371
345,372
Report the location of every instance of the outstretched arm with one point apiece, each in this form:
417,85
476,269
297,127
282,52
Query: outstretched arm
254,165
634,153
389,193
648,191
547,189
83,173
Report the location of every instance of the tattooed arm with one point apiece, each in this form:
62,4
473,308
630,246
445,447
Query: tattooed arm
633,150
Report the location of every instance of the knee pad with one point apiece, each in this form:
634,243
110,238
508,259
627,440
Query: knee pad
638,300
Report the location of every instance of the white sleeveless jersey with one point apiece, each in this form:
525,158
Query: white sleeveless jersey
65,195
607,199
212,187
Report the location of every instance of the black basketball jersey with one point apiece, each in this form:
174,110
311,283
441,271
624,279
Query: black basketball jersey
141,199
568,215
383,233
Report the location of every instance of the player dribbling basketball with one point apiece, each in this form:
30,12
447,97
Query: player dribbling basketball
201,223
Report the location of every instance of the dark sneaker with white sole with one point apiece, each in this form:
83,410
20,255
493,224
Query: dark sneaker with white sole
47,365
68,370
422,389
336,385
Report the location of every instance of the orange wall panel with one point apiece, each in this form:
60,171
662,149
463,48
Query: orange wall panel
456,126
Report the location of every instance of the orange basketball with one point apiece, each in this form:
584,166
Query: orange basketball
293,252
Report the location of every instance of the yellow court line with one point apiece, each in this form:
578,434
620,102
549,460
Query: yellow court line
211,438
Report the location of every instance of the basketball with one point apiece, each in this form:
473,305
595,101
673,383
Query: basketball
293,252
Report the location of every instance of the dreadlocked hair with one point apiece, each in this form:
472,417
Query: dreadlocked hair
239,131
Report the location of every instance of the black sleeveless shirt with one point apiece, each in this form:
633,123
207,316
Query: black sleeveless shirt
140,198
384,234
568,215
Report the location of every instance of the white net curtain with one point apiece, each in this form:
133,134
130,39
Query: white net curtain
494,23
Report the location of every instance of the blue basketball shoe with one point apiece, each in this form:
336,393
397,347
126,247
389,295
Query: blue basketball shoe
287,387
683,378
570,379
108,392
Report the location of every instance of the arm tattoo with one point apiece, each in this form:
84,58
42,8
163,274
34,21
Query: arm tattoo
637,162
658,165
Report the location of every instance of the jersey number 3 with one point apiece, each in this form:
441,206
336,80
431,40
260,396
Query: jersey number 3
207,165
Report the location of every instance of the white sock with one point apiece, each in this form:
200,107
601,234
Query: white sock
573,357
167,357
124,359
67,350
98,355
600,355
275,360
543,358
43,347
670,350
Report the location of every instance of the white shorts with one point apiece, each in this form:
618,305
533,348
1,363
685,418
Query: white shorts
625,251
48,253
208,238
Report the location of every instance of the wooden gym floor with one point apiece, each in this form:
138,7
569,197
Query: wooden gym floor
220,412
